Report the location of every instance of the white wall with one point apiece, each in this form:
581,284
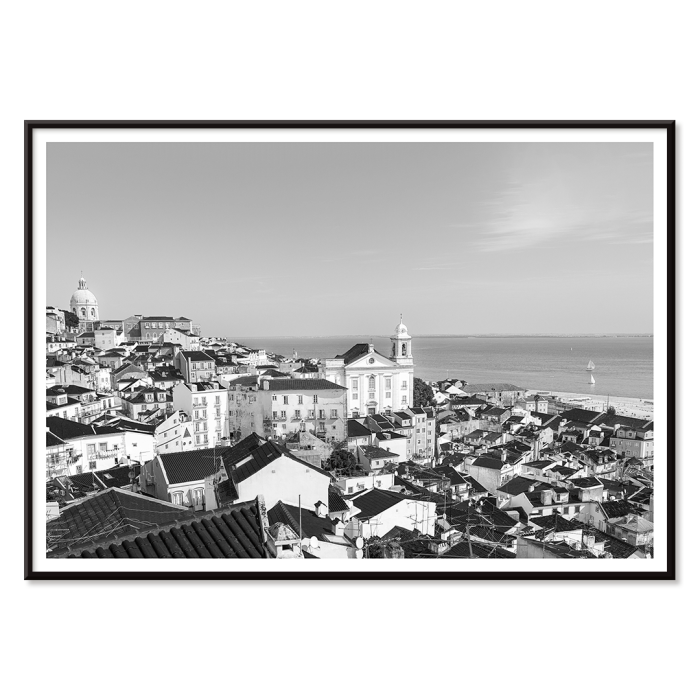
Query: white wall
285,480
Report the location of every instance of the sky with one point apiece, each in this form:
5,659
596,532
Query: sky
268,239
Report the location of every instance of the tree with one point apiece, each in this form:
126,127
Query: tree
71,319
422,393
341,460
611,411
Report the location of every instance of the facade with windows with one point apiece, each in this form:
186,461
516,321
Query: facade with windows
195,365
175,434
375,383
206,406
180,478
634,442
79,448
281,407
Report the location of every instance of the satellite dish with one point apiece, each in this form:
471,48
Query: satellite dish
305,542
313,542
359,542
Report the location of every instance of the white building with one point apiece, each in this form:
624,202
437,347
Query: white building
175,434
375,383
206,405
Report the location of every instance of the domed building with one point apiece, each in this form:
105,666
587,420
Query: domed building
83,304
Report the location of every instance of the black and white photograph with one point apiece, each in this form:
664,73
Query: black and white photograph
351,350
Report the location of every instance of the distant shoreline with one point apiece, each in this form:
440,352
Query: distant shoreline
624,405
448,335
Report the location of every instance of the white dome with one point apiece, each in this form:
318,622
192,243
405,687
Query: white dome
83,303
83,297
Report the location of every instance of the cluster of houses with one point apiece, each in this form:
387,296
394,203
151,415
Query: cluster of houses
163,443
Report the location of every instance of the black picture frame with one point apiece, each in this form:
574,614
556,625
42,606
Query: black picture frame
30,126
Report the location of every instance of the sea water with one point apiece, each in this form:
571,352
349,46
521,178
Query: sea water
623,364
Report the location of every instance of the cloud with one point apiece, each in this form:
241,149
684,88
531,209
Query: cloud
546,213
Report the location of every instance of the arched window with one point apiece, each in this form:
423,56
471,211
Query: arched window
92,313
403,349
82,311
371,383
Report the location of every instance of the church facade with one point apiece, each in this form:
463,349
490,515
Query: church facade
375,383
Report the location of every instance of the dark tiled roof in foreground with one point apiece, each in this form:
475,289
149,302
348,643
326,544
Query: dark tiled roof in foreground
109,513
233,533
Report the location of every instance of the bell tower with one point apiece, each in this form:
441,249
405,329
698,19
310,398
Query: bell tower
401,345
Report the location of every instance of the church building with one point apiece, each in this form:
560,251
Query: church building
83,304
375,383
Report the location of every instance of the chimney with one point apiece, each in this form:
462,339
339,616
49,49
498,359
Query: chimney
503,454
266,385
371,347
338,527
321,509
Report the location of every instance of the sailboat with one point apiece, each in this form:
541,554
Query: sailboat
590,369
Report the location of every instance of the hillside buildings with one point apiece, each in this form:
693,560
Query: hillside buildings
241,453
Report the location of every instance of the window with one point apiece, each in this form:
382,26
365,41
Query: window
321,414
297,414
197,439
177,498
404,385
274,398
92,465
284,426
300,399
217,400
283,415
355,396
196,415
285,399
387,383
334,412
315,398
387,395
274,415
355,384
91,449
321,426
372,382
103,447
404,399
